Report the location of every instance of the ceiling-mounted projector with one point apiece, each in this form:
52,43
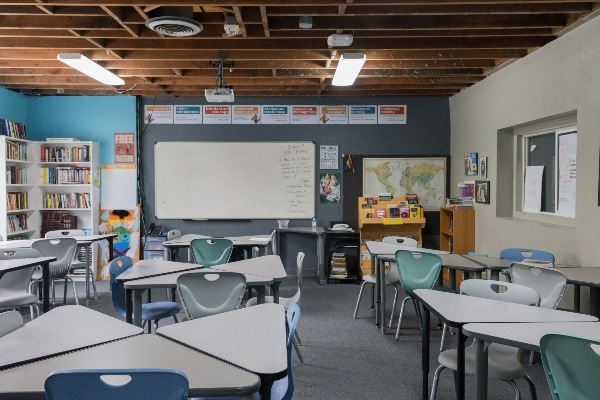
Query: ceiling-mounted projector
219,95
343,40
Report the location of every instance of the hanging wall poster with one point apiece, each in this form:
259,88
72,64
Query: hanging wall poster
158,114
328,158
330,188
362,115
188,114
391,114
245,115
304,115
275,114
216,115
471,164
482,192
124,148
126,224
332,115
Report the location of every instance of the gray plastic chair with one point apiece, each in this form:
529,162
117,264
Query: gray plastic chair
14,285
64,250
10,321
209,293
81,256
503,361
391,277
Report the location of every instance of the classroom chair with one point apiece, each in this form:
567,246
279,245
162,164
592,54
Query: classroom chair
417,270
82,255
503,361
9,321
212,251
106,384
64,251
154,311
571,365
14,285
520,254
286,301
209,293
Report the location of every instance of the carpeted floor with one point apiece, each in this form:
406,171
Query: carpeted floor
350,359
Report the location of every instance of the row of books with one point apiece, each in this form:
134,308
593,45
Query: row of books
16,151
16,176
57,220
66,175
13,129
65,154
17,222
66,200
412,211
339,266
17,200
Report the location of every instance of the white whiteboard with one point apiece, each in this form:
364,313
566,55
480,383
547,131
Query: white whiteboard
234,180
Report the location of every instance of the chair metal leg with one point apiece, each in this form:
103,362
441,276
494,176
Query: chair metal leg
531,357
394,305
175,318
531,387
516,389
400,317
74,291
417,310
297,337
53,293
436,379
94,284
65,291
444,332
297,348
359,297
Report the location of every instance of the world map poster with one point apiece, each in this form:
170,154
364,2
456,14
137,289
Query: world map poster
425,177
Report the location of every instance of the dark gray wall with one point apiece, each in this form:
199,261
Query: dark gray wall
427,132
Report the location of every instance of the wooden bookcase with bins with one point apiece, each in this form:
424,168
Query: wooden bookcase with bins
457,232
373,227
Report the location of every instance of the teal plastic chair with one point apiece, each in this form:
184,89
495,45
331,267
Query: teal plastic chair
154,311
282,389
571,366
417,270
520,254
108,384
212,251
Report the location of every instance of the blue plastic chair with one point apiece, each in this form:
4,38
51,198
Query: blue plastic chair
417,270
282,389
212,251
520,254
135,384
150,311
571,366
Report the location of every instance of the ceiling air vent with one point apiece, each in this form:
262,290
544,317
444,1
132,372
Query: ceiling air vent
174,21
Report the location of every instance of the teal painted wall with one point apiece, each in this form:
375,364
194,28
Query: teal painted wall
13,106
95,118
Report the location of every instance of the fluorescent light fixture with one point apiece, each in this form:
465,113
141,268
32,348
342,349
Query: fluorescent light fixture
86,66
348,68
340,40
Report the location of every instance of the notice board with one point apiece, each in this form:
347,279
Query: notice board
235,180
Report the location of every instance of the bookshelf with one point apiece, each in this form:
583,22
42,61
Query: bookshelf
18,216
374,227
457,231
68,184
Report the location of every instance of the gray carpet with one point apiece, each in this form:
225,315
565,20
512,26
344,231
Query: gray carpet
350,359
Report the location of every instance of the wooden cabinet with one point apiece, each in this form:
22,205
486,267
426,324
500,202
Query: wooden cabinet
457,233
373,227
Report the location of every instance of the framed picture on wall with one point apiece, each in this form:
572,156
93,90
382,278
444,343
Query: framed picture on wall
482,192
471,164
483,167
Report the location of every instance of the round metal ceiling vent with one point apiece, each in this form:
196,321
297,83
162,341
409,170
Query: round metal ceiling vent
174,26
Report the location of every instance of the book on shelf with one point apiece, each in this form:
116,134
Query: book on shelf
13,129
411,198
62,139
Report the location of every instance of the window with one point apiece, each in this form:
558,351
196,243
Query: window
547,171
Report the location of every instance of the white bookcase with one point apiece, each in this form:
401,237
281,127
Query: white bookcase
19,218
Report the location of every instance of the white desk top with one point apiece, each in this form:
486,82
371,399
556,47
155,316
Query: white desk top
528,335
207,376
18,263
269,266
148,268
458,309
491,262
450,261
60,330
253,338
318,230
582,276
380,248
170,280
185,240
79,239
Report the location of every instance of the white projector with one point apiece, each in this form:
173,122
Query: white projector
219,95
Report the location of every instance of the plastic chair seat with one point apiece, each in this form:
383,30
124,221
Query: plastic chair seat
10,321
503,361
390,279
203,294
158,310
16,298
212,251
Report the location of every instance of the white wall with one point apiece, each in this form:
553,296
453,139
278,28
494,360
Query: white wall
563,76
